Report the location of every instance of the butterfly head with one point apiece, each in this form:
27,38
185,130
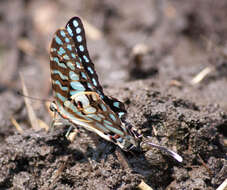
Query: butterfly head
130,141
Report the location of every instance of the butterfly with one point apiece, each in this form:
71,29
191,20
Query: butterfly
79,97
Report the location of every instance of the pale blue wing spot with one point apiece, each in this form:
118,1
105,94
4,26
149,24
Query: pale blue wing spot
59,96
89,85
59,64
66,57
56,59
80,59
70,65
102,127
73,75
73,55
62,65
59,104
108,122
78,65
120,139
69,46
100,115
61,87
75,23
62,33
94,116
53,49
83,75
81,47
103,107
89,110
75,50
73,92
69,30
63,77
58,40
85,58
69,104
77,86
113,129
116,104
78,30
67,40
112,117
79,38
120,114
61,51
100,94
74,119
90,70
94,81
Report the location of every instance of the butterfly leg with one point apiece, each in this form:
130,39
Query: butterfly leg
71,133
68,131
53,123
122,159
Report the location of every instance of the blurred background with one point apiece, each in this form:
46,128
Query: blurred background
164,59
178,44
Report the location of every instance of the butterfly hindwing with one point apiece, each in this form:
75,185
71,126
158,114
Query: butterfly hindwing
99,116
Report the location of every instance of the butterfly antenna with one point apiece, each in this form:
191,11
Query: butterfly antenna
33,98
166,150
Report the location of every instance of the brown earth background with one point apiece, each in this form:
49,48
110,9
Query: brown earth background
166,60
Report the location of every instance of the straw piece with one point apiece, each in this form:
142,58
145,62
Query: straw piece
16,124
144,186
223,186
31,114
201,75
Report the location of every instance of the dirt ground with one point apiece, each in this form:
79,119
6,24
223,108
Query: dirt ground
166,60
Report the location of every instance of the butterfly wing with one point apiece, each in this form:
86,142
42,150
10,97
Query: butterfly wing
67,72
76,31
76,96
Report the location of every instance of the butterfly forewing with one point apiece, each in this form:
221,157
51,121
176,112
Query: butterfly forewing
67,72
66,69
76,31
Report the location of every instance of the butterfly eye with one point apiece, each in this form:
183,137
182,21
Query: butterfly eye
53,107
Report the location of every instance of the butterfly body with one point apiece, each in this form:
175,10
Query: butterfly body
79,97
